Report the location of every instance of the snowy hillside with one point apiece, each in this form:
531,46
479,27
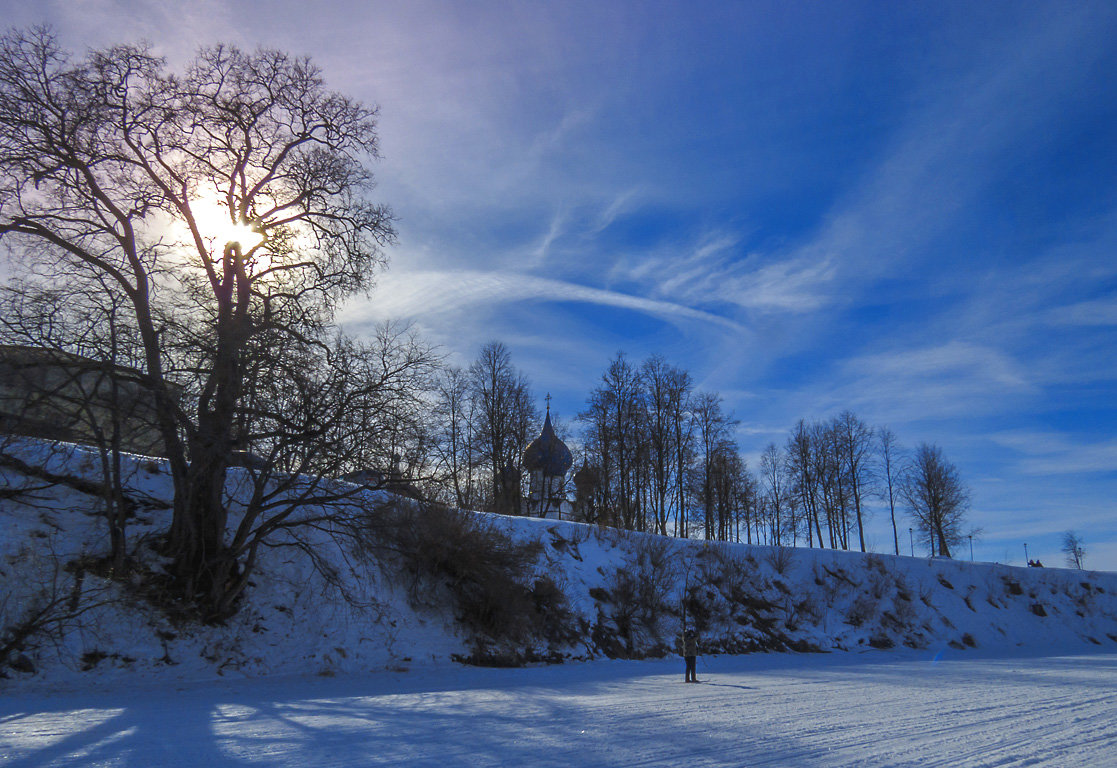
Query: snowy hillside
422,587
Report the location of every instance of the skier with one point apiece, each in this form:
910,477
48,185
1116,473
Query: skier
688,648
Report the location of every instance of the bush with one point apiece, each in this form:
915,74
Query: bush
780,559
799,612
734,575
904,609
47,602
489,578
879,584
642,589
863,609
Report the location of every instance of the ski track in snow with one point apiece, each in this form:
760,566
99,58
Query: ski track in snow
881,709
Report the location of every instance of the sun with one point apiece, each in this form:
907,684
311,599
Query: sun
218,228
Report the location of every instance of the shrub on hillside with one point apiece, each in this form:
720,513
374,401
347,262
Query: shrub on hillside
863,609
732,573
780,559
489,578
642,589
47,601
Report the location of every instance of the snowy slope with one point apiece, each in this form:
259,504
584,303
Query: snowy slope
622,595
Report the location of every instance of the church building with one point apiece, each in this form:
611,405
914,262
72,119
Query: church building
547,460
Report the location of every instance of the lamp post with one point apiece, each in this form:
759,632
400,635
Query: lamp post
911,542
971,547
1026,559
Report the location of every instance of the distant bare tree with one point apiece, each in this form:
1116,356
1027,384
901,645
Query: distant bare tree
801,466
666,396
457,445
614,438
748,502
833,488
889,469
936,497
776,488
681,386
854,442
711,431
505,414
1074,549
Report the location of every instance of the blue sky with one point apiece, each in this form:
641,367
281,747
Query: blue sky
905,209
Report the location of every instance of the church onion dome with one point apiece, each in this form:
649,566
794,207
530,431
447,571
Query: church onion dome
548,454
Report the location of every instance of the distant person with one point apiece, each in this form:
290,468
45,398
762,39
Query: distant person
688,647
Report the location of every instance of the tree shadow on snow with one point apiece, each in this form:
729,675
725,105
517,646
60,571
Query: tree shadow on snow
139,736
498,721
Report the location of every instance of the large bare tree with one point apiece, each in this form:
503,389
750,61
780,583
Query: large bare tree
227,203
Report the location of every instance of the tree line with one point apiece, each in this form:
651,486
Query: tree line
656,454
664,459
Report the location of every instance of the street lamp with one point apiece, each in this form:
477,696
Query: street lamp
911,542
1026,559
971,547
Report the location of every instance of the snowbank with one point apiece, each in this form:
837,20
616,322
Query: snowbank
610,594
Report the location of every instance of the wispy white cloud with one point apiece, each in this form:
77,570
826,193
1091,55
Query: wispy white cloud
1100,312
712,272
619,205
554,231
175,29
885,224
554,138
934,382
945,360
433,293
1059,453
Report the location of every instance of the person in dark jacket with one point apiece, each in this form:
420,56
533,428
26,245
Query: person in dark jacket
688,647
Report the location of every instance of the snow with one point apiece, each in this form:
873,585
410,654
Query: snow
872,709
988,665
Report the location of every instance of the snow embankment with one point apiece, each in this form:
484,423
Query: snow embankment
566,591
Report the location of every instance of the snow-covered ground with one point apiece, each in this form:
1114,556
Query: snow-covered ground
618,595
870,709
972,664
